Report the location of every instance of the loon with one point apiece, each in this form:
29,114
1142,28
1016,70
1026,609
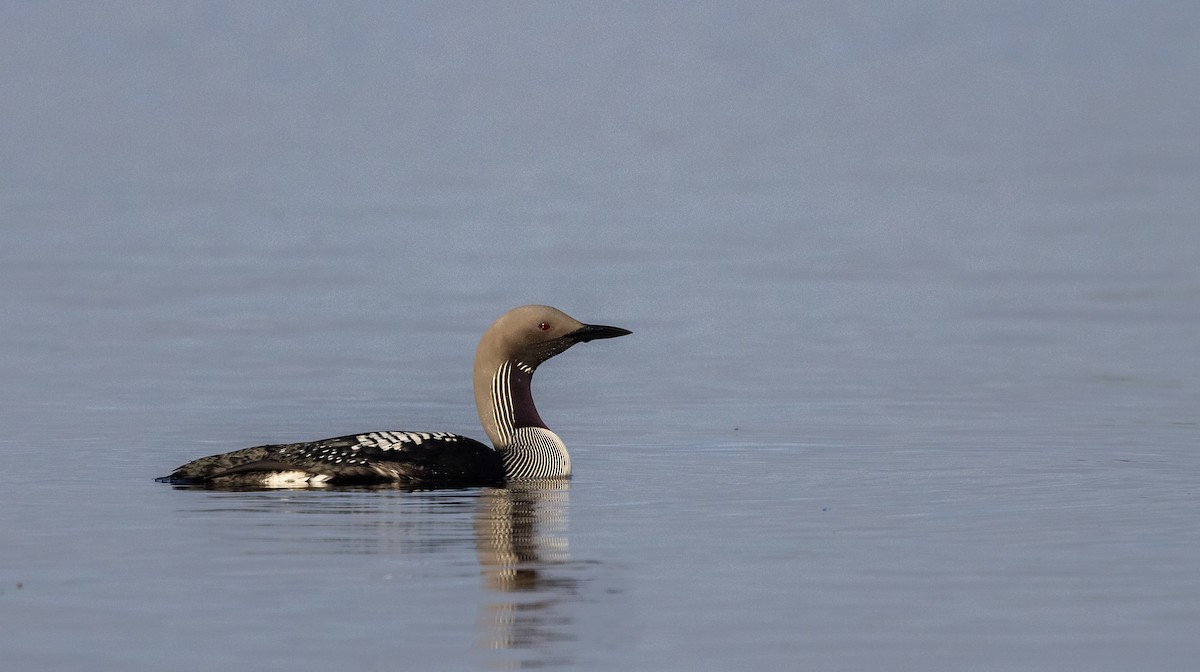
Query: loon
524,448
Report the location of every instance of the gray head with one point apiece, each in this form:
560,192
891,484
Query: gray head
523,338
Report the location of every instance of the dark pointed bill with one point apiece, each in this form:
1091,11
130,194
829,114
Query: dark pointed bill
591,332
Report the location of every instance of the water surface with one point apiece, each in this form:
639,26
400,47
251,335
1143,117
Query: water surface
912,385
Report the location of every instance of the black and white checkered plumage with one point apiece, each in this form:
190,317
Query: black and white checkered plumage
359,459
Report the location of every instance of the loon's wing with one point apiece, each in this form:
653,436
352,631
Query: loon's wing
376,457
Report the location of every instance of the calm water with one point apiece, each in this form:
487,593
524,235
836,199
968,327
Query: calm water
915,293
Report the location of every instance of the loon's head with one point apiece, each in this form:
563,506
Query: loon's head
529,335
513,347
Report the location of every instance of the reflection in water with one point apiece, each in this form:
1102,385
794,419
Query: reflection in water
520,534
531,587
356,521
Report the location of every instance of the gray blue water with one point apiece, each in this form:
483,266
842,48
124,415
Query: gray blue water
914,287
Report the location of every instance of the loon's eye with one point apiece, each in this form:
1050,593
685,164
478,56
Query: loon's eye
544,326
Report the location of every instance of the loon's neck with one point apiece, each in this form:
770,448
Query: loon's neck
510,418
511,404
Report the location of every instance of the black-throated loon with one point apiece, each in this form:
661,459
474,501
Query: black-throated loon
509,352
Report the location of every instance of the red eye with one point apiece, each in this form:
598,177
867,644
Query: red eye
544,326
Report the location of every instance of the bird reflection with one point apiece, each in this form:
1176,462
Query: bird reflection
520,533
521,539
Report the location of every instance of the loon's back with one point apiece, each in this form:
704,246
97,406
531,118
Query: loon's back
417,458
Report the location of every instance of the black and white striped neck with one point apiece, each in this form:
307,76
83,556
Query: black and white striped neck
528,448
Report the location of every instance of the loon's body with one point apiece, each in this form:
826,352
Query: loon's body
508,354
